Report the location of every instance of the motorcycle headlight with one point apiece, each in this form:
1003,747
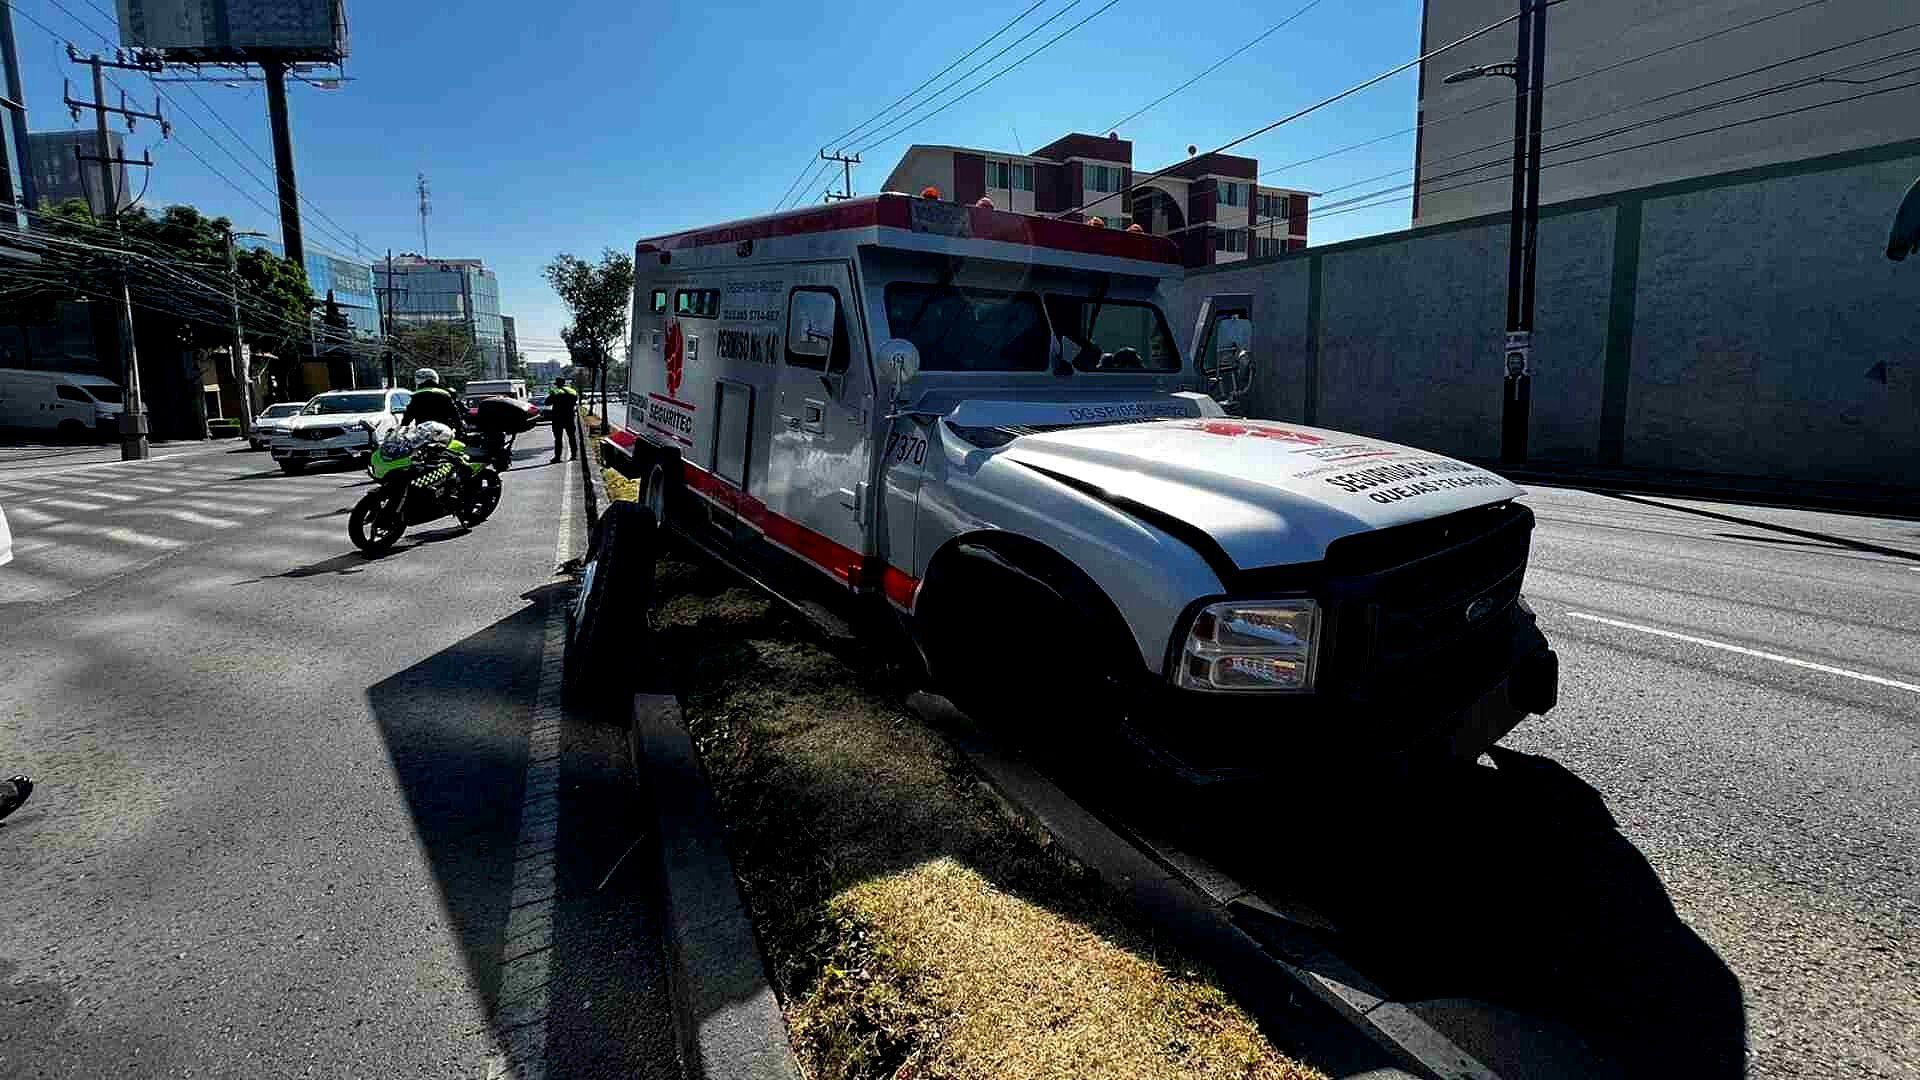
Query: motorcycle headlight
1252,645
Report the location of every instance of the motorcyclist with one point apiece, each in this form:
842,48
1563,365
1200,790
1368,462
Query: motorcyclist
431,401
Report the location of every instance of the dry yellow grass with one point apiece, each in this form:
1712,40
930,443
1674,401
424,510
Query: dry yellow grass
912,931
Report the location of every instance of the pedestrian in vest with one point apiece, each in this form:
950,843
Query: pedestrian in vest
562,403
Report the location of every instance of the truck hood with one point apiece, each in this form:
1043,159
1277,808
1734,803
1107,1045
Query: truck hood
1268,493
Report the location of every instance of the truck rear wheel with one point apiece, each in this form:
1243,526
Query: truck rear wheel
608,639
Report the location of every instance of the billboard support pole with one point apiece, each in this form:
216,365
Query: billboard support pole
276,75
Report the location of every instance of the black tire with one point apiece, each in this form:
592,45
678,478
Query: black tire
372,531
658,477
608,640
1071,701
486,499
293,468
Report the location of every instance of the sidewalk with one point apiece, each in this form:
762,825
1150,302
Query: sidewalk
1878,500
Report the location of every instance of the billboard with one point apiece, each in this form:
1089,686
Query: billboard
186,31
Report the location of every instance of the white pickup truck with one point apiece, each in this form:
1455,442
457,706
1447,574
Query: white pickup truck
973,432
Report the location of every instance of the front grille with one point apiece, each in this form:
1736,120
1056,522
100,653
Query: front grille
317,433
1416,611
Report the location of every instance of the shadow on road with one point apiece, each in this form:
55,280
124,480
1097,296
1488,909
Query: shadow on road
1511,885
455,727
1734,519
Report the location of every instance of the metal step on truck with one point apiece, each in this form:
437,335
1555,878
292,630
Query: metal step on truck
973,434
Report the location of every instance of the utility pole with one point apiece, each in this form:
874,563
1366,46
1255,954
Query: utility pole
426,207
1527,70
291,240
133,412
238,368
846,173
16,112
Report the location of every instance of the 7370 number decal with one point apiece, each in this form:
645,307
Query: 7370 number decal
903,447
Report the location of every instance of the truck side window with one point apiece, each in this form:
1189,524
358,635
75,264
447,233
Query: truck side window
658,302
697,303
68,393
816,335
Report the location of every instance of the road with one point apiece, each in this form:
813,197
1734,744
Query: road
282,788
284,824
1706,861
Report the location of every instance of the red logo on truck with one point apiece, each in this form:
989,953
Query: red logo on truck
676,358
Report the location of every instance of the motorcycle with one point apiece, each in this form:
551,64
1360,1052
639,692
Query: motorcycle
496,420
424,473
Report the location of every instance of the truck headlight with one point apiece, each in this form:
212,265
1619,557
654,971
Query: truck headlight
1252,645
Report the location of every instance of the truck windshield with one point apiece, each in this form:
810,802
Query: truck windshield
966,329
1112,335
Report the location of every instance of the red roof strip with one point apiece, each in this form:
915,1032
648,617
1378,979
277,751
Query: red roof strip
895,211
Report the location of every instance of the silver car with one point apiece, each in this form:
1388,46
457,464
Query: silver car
272,421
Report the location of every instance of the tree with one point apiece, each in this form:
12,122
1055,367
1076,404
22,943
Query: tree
446,347
598,296
174,263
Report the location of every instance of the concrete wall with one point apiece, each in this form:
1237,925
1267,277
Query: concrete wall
1746,324
1640,50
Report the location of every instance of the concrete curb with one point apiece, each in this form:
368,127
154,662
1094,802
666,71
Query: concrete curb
729,1022
1197,906
594,484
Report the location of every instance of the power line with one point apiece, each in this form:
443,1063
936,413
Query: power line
803,181
852,131
898,130
1218,64
1321,104
336,231
1359,202
1448,118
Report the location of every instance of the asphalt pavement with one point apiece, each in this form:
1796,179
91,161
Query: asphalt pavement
1706,861
282,788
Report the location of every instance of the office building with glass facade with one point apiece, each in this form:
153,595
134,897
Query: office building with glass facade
351,283
463,291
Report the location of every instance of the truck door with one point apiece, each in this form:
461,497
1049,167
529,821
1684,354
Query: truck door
822,406
1222,348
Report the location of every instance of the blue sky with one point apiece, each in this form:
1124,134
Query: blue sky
600,122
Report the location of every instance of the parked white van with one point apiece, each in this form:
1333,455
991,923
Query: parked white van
64,403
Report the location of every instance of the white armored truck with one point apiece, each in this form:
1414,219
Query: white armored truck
975,432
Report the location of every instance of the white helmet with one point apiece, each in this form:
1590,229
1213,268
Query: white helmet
426,376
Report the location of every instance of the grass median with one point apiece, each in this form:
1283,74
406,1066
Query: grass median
911,928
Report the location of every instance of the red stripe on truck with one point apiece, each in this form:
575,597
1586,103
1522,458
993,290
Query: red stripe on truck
896,211
847,566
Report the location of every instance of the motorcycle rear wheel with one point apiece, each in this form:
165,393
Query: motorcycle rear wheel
374,528
485,499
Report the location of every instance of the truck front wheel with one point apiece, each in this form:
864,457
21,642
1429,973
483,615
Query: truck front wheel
1026,645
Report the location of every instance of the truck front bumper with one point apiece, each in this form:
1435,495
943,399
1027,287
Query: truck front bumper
1212,740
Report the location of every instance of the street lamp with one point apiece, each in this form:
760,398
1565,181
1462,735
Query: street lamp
1527,71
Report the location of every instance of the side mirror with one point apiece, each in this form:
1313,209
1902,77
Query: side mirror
900,365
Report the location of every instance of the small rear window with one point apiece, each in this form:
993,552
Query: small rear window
658,302
697,303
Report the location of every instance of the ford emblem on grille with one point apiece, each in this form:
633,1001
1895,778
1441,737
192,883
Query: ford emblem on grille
1480,608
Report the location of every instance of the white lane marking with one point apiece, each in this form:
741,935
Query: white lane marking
68,504
27,516
117,535
1877,680
187,516
526,959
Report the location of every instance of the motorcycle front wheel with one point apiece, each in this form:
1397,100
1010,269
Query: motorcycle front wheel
374,526
484,499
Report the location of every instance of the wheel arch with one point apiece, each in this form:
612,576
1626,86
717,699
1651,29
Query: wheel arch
996,552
